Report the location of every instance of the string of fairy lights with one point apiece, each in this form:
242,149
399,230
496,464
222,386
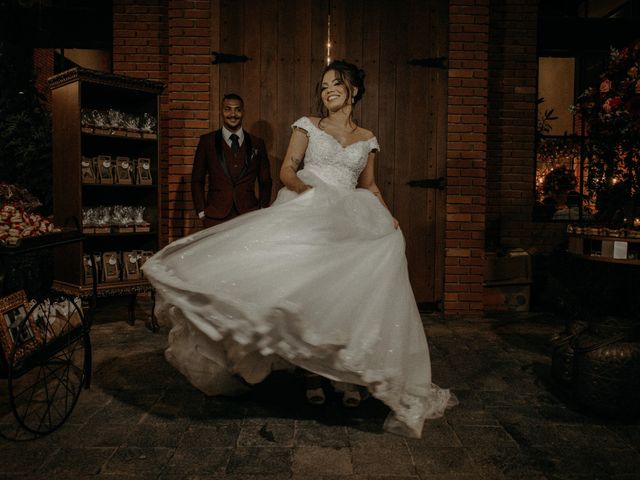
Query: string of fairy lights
329,35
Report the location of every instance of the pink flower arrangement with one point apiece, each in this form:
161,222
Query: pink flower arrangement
614,107
611,104
611,112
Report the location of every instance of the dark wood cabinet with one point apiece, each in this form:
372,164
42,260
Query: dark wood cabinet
99,115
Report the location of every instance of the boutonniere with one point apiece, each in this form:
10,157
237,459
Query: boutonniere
254,152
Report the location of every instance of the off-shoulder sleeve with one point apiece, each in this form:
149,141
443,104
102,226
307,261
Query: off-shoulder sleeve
303,123
373,145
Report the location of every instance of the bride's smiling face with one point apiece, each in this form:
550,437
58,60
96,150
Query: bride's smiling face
335,92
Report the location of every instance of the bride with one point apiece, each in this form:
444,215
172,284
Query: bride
318,280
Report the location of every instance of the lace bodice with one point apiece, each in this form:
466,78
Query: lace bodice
329,160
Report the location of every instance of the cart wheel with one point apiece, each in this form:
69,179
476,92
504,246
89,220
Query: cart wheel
47,374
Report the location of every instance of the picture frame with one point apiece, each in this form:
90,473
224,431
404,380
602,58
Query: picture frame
87,269
56,317
87,173
143,171
105,169
143,256
123,171
17,332
130,265
111,266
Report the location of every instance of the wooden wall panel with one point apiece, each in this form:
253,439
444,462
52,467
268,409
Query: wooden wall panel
370,63
232,35
285,42
302,58
286,77
265,127
411,137
318,29
252,47
388,59
405,106
339,18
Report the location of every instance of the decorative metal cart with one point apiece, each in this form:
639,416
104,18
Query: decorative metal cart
46,347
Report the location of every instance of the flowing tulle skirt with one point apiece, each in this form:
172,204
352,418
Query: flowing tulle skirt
317,280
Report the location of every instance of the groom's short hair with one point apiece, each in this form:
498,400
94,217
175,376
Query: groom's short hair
233,96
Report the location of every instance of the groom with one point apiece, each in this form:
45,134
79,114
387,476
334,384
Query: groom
231,159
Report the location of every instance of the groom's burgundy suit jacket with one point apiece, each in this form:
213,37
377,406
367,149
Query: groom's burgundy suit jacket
230,185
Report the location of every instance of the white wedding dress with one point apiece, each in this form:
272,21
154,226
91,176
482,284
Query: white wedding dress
318,280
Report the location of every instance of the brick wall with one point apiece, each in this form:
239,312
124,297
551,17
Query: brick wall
491,143
140,38
466,156
169,41
513,70
188,92
43,64
140,49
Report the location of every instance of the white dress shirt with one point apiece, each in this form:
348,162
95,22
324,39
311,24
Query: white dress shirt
226,133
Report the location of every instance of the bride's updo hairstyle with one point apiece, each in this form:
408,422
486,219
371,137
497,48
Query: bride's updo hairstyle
351,76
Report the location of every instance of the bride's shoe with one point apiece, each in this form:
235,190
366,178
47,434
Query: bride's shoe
314,391
315,396
351,398
353,395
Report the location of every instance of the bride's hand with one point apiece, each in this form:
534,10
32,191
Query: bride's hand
303,188
396,224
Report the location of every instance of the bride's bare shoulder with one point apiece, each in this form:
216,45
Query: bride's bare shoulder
365,134
314,120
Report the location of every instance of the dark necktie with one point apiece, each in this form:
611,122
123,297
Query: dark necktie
235,144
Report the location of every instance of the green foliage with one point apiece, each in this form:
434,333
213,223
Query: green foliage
612,114
544,120
25,126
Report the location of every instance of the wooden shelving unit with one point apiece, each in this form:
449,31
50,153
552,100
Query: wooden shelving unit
73,92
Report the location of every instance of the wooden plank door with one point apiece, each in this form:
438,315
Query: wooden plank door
285,41
404,105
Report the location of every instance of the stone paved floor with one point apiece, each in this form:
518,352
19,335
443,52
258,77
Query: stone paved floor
142,420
